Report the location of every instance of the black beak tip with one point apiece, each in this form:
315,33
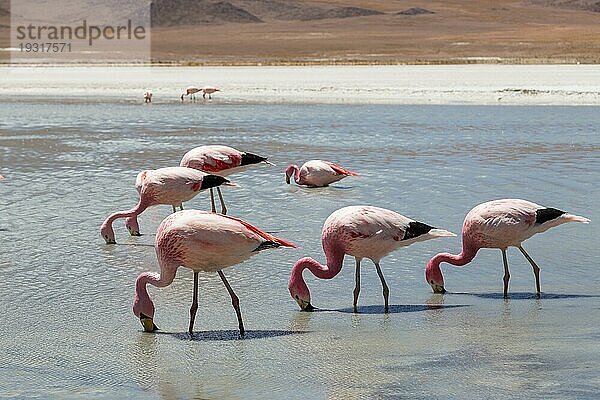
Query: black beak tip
310,308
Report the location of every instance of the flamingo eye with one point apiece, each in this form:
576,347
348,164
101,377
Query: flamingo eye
297,298
432,281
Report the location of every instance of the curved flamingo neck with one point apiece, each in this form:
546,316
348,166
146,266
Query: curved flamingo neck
135,211
331,269
142,299
296,173
466,255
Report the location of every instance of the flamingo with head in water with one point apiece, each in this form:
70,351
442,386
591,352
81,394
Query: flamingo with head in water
499,224
316,173
172,185
200,241
220,160
362,232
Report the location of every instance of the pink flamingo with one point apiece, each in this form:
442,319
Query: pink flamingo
172,185
191,91
208,91
220,160
200,241
148,96
362,232
499,224
316,173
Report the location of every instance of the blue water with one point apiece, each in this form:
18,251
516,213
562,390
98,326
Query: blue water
66,326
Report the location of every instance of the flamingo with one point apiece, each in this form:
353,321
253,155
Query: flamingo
499,224
208,91
172,185
362,232
200,241
191,91
220,160
316,173
148,96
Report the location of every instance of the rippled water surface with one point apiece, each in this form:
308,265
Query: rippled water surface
66,326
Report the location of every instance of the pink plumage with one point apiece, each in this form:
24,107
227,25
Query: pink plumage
317,173
172,185
200,241
362,232
499,224
220,160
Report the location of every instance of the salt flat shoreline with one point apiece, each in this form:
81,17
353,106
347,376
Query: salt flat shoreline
369,84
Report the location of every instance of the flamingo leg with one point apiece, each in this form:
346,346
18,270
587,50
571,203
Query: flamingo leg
213,208
506,273
357,287
536,269
181,207
174,209
386,289
223,208
194,306
235,301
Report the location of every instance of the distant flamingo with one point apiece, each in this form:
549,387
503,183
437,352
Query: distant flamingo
148,96
173,185
191,91
316,173
2,178
200,241
362,232
208,91
220,160
499,224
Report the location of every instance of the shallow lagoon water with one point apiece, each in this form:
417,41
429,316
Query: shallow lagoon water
67,329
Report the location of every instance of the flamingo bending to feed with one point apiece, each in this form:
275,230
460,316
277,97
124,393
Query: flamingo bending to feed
362,232
220,160
172,185
200,241
190,91
499,224
208,91
316,173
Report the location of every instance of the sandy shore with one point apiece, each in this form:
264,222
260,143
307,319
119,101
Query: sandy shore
408,84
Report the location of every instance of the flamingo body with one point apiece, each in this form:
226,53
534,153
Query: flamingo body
171,185
499,224
317,173
220,160
362,232
202,242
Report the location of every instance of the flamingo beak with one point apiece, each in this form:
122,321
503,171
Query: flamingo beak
438,288
287,179
269,162
305,305
147,323
228,184
108,240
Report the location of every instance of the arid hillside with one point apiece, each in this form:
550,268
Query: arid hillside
369,31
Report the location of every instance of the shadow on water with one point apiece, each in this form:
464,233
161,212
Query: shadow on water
395,308
527,295
135,244
233,334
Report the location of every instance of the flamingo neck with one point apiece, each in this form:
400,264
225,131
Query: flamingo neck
134,212
327,271
142,302
296,173
466,255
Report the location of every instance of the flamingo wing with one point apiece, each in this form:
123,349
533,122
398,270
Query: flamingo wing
340,170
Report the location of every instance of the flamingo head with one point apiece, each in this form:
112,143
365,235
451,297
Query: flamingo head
289,172
183,94
297,287
143,307
132,226
434,276
210,181
107,233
